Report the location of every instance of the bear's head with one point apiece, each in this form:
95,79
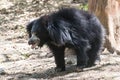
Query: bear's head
38,34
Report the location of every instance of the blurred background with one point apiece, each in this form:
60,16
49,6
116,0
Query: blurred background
19,62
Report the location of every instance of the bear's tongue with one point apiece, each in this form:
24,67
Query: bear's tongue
33,46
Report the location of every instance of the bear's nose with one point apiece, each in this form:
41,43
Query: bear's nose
31,42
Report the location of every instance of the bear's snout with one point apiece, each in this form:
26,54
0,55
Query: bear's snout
34,41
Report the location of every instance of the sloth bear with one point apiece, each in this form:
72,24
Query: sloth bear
68,28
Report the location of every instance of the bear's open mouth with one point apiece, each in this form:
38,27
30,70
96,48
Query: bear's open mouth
34,41
33,46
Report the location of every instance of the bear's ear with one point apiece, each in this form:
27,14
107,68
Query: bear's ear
29,27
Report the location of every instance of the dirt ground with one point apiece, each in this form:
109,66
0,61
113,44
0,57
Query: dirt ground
19,62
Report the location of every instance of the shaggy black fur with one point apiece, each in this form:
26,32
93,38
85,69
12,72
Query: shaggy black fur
70,28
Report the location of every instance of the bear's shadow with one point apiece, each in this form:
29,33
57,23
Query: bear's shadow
51,73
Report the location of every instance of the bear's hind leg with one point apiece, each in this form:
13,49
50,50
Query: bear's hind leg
94,54
81,52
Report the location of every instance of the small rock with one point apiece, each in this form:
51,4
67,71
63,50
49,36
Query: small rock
9,78
69,62
70,59
3,58
2,71
15,57
33,56
49,55
43,54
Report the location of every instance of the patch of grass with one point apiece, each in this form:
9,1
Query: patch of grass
84,7
26,55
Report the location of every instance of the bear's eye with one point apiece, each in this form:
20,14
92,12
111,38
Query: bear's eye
37,34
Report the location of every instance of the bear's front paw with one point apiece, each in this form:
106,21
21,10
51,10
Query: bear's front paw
57,69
